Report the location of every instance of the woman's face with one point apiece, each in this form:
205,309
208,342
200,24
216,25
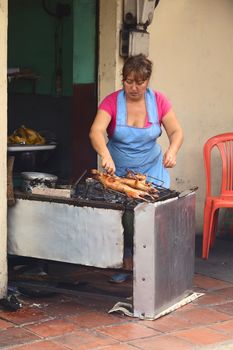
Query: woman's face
134,87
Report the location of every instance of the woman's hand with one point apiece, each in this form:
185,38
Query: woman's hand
108,164
169,159
98,140
175,136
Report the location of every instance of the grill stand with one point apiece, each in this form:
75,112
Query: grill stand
164,238
164,245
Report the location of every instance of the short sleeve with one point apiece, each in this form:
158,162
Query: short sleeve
109,105
163,104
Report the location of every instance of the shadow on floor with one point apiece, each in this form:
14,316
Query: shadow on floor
35,277
219,265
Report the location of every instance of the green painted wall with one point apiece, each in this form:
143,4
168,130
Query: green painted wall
85,38
31,44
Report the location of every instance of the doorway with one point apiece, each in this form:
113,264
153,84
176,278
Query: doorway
52,69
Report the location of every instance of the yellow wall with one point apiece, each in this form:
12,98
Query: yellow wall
192,49
3,134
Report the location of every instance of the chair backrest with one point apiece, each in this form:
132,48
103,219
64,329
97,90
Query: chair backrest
224,143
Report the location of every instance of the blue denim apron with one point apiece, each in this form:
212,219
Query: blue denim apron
136,148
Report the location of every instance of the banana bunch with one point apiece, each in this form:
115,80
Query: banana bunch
26,136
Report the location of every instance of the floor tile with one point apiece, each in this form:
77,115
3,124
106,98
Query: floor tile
227,308
227,292
169,323
211,299
83,340
129,331
118,347
5,324
202,316
41,345
83,323
64,308
52,328
98,304
187,307
205,282
14,336
223,326
202,336
165,342
24,315
95,319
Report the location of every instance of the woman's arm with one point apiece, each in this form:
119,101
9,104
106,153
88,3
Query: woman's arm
98,139
175,136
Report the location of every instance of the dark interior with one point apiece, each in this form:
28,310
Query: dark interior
53,44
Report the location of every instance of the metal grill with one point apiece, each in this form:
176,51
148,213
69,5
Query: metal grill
92,190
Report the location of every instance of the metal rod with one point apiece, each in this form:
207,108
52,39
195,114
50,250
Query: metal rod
152,177
80,178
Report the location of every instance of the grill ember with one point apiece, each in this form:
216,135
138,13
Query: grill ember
129,190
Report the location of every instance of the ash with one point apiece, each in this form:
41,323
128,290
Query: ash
94,190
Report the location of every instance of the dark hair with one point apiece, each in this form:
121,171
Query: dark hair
140,65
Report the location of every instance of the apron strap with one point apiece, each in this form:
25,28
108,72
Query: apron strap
151,107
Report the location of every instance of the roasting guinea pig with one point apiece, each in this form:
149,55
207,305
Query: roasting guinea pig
26,136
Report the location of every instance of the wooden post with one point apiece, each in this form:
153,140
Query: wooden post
10,187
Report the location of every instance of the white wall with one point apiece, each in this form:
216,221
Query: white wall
192,49
3,151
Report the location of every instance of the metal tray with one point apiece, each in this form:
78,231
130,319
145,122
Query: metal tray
27,148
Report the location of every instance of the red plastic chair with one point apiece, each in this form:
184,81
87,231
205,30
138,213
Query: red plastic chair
224,143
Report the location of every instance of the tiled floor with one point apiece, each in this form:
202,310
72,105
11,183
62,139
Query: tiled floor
62,322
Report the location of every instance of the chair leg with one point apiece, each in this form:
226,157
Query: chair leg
206,231
211,227
214,228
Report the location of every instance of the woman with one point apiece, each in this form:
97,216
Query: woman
132,118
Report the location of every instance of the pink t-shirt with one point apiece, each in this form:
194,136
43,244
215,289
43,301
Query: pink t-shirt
109,105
